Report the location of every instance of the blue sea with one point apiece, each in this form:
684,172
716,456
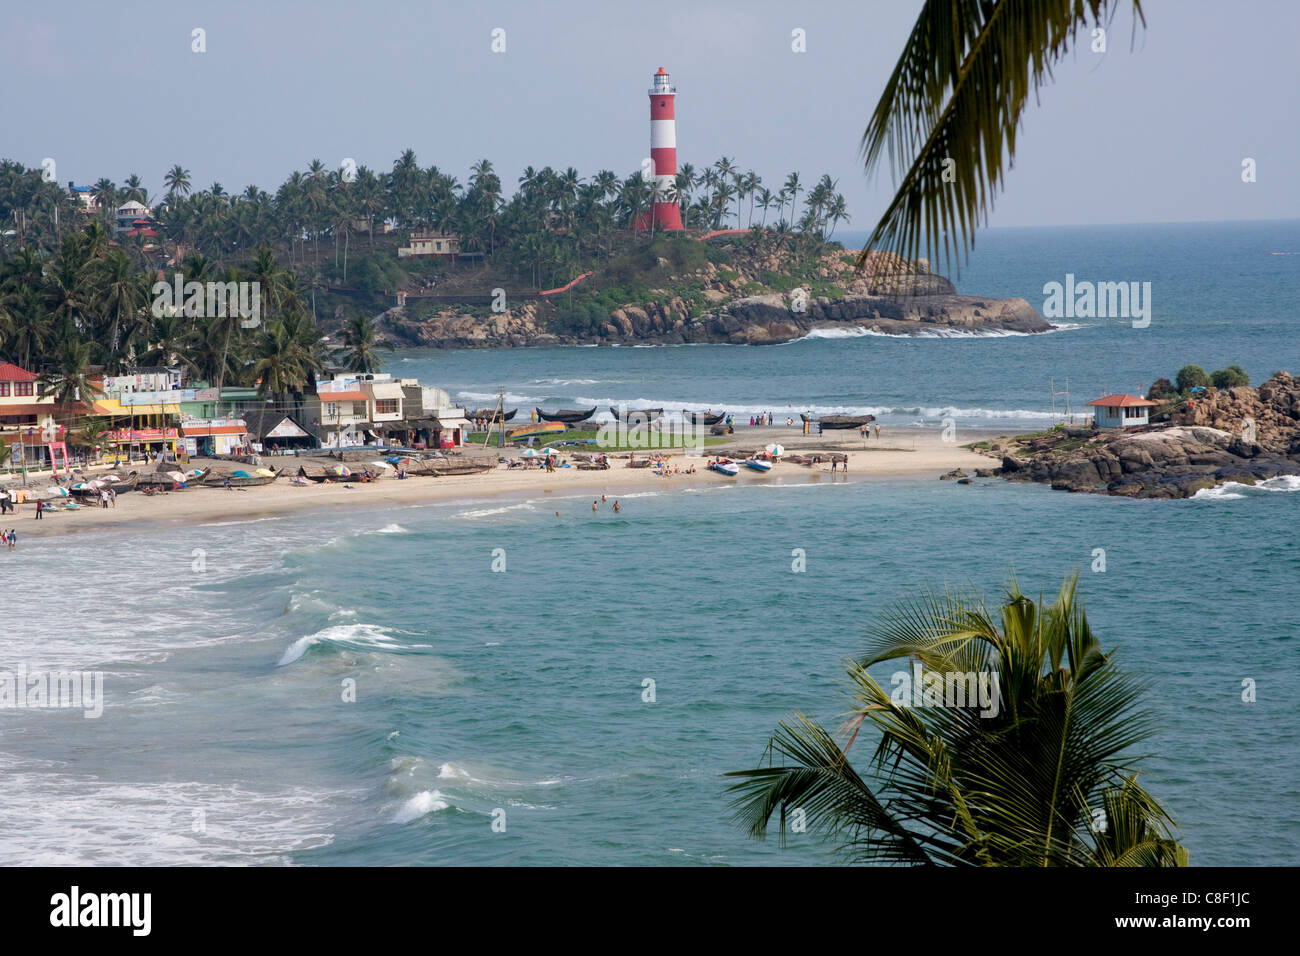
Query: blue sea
360,687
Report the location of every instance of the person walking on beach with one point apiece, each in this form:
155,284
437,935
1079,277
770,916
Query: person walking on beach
13,538
877,426
40,507
112,498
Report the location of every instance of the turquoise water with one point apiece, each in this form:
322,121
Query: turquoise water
227,648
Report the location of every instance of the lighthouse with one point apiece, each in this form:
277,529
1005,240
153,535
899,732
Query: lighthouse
663,153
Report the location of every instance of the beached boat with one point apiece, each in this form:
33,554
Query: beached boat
568,416
637,414
840,421
441,467
703,418
490,414
537,430
725,466
758,464
243,479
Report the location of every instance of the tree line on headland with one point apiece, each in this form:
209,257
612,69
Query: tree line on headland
75,294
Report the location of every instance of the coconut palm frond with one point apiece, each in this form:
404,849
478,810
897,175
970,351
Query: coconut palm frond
948,116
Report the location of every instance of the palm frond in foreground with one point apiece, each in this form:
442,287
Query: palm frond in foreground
1036,772
954,103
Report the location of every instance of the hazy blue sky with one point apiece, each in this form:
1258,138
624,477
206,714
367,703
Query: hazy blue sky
1156,133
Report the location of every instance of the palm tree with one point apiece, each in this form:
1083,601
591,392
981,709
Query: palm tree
177,182
69,382
359,344
1033,773
959,93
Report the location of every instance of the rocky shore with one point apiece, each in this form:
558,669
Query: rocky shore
1243,435
719,304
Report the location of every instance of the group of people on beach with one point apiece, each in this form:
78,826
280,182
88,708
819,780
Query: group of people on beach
9,538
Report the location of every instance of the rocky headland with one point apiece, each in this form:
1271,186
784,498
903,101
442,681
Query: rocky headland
753,297
1242,434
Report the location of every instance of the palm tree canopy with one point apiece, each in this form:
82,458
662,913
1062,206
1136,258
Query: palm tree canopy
948,116
1031,769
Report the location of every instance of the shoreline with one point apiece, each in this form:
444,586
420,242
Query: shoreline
927,456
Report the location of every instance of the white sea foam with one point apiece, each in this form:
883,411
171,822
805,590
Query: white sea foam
61,818
389,529
422,804
488,512
356,636
1231,490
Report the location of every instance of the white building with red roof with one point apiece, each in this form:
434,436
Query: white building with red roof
1121,411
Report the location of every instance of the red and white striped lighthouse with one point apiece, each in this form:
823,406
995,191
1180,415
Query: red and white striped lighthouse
663,152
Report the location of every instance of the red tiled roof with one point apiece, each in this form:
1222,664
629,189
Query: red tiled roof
9,372
1122,401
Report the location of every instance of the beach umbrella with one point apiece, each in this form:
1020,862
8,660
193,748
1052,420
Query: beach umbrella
383,464
775,450
83,486
194,472
550,451
176,476
341,470
55,492
531,453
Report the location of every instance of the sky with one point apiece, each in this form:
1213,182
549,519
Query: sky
1151,131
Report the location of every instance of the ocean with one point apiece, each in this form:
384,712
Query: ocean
360,687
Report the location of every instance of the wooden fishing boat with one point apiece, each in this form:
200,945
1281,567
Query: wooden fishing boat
537,430
242,481
490,414
568,416
840,421
703,418
126,484
635,415
441,467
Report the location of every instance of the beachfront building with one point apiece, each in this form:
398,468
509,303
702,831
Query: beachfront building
1121,411
431,420
27,419
271,431
385,399
338,412
142,406
21,402
222,436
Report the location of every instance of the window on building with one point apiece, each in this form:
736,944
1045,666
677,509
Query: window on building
22,388
385,406
4,389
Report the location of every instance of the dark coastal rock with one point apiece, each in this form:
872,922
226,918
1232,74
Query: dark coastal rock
1168,461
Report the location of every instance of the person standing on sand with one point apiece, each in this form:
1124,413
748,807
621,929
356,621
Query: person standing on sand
40,507
13,538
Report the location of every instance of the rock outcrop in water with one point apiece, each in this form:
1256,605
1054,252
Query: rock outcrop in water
1240,434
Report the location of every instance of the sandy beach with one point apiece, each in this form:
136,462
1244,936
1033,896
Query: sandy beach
917,452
